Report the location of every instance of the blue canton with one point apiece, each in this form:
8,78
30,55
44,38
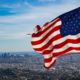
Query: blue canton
70,23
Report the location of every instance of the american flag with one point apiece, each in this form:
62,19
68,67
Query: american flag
58,37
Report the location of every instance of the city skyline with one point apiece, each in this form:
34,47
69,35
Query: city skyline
19,17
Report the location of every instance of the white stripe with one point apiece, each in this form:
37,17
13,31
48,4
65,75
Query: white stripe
47,40
74,51
47,56
46,32
44,27
49,48
61,40
66,47
48,64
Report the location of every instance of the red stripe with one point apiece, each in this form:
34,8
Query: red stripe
50,26
49,59
66,42
60,53
46,36
67,50
48,44
41,33
50,64
46,24
62,44
48,51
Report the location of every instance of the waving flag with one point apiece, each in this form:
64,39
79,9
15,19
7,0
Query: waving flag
58,37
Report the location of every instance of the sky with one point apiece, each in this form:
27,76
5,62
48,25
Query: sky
19,17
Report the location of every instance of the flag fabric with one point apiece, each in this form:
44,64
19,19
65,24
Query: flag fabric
59,37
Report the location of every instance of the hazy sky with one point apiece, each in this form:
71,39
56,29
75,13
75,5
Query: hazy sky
18,17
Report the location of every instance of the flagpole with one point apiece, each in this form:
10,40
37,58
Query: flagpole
29,34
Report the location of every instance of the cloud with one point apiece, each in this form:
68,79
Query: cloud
46,0
17,35
13,28
10,5
17,18
17,5
16,8
37,15
57,2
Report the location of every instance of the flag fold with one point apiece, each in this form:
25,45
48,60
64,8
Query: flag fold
58,37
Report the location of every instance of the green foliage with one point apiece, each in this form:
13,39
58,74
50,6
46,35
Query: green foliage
19,74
